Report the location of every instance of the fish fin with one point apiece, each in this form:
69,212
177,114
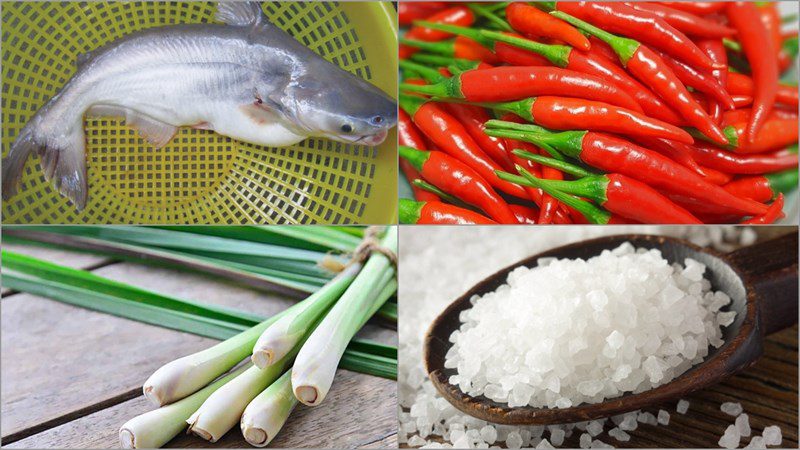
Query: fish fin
63,160
239,14
155,132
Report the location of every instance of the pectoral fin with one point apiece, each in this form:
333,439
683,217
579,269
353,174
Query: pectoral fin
239,14
155,132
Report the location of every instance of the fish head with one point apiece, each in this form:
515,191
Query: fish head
343,108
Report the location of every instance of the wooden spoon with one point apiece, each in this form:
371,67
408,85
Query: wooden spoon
761,281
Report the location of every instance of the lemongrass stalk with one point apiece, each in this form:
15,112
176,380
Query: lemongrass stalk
155,428
317,360
267,413
283,335
186,375
222,409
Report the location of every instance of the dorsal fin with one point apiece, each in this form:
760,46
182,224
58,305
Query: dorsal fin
240,14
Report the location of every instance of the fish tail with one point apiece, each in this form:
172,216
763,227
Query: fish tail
58,138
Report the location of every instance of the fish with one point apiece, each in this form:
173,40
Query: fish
244,78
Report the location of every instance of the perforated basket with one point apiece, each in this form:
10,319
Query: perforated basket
199,177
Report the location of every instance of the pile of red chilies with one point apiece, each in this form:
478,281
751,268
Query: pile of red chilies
596,112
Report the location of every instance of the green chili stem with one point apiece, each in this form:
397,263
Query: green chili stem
563,166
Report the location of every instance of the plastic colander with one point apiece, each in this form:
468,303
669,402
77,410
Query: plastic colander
200,177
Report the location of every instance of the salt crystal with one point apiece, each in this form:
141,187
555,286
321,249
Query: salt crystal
629,423
543,444
597,443
731,438
756,442
663,417
772,435
416,441
683,406
514,440
743,425
489,434
619,435
557,436
731,408
585,440
594,428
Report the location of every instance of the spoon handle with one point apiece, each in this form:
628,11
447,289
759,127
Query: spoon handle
770,267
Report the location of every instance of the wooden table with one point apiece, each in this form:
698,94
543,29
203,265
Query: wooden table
71,377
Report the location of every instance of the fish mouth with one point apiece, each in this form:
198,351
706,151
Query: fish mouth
364,139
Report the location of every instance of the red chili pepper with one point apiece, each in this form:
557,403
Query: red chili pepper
649,29
758,49
602,49
714,176
474,119
771,18
457,15
450,136
726,161
763,188
715,50
408,135
532,21
617,155
699,81
700,8
774,213
459,180
462,48
513,83
563,113
525,214
740,84
775,134
593,64
649,68
624,196
438,213
548,206
685,22
583,208
408,12
676,151
516,56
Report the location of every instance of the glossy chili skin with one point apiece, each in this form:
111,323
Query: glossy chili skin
649,68
461,47
775,134
408,12
700,8
408,135
614,154
774,213
726,161
564,113
459,180
715,50
438,213
456,15
651,104
638,201
532,21
740,84
758,48
676,151
474,119
763,188
450,136
685,22
516,56
525,215
653,31
700,81
514,83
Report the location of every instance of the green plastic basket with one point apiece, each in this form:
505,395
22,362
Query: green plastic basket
200,177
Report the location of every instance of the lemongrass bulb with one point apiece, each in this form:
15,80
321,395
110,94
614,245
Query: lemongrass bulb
155,428
186,375
282,336
223,409
267,413
316,363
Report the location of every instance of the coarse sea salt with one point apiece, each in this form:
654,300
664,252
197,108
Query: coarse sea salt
743,425
731,408
566,325
431,281
731,437
772,435
683,406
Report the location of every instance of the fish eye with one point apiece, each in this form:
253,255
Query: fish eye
347,128
377,120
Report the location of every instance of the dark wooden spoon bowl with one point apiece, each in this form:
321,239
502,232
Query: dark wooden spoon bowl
761,281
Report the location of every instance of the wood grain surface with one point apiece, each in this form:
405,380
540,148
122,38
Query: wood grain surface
71,377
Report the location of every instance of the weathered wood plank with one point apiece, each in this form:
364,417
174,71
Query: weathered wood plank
94,358
360,411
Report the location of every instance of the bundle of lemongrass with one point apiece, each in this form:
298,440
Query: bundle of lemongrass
294,356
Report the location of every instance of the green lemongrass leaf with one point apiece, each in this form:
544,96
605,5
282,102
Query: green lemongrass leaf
388,312
257,277
369,364
185,241
316,238
87,290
